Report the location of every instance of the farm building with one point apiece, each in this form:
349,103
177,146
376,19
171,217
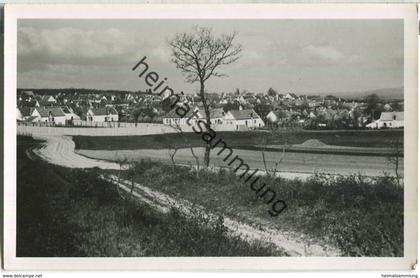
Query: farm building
388,120
243,119
53,115
102,114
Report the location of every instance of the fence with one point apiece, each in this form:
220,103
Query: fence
88,128
124,129
84,128
80,123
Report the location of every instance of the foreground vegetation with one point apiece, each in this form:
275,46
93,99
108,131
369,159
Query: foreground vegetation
361,217
356,138
64,212
72,213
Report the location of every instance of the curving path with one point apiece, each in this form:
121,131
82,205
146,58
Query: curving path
59,150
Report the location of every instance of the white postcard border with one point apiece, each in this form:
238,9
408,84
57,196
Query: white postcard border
232,11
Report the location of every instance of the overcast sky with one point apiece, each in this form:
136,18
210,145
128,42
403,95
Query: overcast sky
302,56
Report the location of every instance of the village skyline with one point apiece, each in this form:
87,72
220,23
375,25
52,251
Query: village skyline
385,93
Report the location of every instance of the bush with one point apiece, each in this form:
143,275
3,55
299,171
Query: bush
361,217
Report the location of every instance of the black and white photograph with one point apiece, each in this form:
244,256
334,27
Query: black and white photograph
212,137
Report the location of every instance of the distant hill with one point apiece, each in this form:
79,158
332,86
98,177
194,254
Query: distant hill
73,90
385,93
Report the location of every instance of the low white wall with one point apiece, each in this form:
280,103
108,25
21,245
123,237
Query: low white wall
140,129
143,129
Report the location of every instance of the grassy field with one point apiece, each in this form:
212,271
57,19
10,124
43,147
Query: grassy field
291,162
72,213
361,218
364,138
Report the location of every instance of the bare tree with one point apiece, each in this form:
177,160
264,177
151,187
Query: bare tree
394,157
121,162
172,152
172,148
272,133
132,174
199,54
178,128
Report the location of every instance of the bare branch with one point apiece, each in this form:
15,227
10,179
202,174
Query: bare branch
199,55
178,128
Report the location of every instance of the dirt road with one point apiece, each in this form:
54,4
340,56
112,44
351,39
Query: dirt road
59,150
292,164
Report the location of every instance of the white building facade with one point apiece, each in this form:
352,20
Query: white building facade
101,115
388,120
230,121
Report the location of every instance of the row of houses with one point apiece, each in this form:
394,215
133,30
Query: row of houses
63,115
233,111
233,120
56,115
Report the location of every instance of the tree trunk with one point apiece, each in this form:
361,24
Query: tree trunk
207,155
208,123
132,187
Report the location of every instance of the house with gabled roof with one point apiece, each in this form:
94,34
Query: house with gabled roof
70,115
47,100
388,120
243,119
232,120
275,116
291,96
102,114
54,115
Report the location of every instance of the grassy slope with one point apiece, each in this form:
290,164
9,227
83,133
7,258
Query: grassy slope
64,212
371,138
362,219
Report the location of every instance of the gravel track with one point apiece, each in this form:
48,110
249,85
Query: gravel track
59,150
